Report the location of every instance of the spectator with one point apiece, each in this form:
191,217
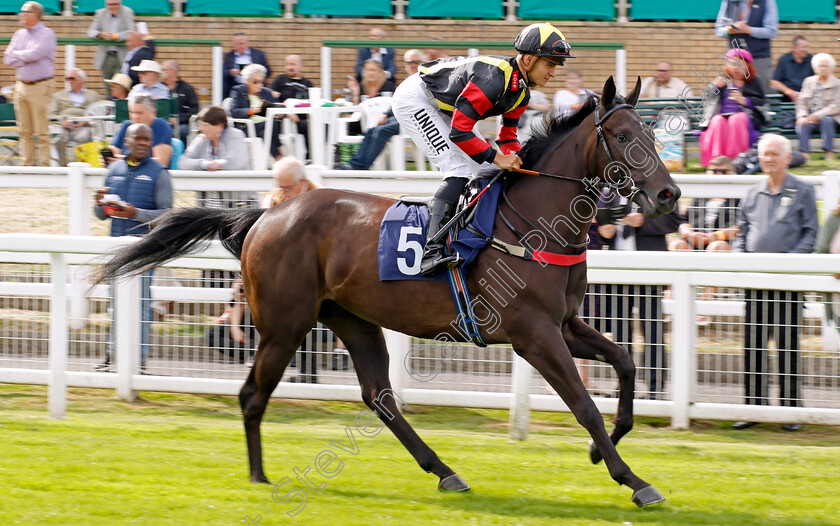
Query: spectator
663,85
149,73
627,229
217,147
181,90
433,54
778,215
32,53
145,190
293,85
289,181
119,85
750,25
67,104
387,126
711,222
234,334
732,115
374,83
792,69
138,49
143,109
250,100
384,55
818,106
112,23
235,61
568,101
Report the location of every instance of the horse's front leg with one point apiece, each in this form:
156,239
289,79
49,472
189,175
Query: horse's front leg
587,343
542,345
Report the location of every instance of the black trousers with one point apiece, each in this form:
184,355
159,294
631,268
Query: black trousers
648,300
778,311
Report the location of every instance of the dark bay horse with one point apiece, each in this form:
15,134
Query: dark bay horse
315,258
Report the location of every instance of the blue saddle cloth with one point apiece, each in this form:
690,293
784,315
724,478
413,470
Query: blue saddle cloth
402,236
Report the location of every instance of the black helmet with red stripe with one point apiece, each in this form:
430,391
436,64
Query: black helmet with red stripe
543,40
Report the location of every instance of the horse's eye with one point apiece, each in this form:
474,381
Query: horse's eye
621,137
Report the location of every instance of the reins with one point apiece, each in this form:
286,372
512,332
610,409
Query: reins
591,184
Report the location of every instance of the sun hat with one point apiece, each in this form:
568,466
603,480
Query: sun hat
121,79
148,65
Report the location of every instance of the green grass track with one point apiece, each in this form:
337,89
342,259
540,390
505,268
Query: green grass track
180,460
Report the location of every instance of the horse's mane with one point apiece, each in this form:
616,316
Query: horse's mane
547,135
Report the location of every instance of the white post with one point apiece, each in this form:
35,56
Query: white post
289,8
69,57
126,334
178,12
621,6
510,10
68,8
520,399
398,346
79,200
472,52
317,141
621,70
216,96
683,352
326,73
57,395
399,9
79,225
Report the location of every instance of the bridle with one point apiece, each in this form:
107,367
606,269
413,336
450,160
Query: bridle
592,183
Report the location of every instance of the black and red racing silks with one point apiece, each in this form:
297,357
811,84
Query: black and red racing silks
473,88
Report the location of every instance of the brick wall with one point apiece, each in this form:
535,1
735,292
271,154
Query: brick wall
684,44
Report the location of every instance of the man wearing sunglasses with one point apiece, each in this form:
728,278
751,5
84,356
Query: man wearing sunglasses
32,53
441,104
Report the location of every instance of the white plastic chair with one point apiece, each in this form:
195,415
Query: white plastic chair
105,127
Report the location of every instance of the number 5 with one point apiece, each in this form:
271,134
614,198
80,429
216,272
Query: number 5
414,246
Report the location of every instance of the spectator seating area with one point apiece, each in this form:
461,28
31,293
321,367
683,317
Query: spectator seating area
812,11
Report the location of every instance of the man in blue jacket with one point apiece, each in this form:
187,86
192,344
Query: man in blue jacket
137,190
236,59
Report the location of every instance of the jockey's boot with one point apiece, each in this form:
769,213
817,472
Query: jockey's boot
434,259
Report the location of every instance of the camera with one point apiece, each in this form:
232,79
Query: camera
106,153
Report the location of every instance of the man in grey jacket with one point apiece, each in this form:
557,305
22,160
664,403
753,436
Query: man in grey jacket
112,23
778,215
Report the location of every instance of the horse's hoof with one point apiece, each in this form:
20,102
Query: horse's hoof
453,482
594,454
647,496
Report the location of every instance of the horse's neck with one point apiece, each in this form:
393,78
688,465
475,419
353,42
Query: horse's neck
559,207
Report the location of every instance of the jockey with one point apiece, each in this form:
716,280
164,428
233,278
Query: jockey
440,105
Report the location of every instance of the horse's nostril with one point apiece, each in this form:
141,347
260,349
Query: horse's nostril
668,195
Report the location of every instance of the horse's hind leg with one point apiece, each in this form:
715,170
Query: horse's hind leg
271,360
366,345
589,344
542,345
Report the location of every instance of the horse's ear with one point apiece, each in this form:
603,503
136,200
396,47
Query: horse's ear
633,97
609,92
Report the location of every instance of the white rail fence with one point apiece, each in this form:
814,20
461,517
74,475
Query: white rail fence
704,362
684,273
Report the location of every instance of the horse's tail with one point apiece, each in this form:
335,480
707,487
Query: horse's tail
180,232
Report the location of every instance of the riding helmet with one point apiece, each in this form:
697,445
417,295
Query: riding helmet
543,40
